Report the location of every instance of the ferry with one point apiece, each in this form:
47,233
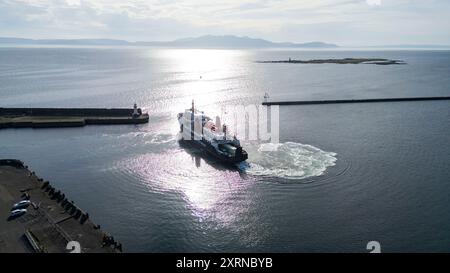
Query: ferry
200,130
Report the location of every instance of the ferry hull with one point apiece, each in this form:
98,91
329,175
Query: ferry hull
210,150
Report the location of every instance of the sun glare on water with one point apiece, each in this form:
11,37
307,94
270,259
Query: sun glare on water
202,75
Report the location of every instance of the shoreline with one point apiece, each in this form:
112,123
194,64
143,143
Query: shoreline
51,220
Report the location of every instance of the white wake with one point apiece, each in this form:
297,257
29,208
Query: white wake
287,160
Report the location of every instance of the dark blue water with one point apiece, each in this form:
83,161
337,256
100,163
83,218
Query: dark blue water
342,175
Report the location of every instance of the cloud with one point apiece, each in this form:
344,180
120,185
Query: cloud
374,2
342,21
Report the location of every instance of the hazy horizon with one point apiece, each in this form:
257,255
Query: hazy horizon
342,22
141,42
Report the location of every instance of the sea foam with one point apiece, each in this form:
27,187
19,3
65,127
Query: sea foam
288,160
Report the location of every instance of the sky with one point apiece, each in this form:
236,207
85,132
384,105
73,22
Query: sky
344,22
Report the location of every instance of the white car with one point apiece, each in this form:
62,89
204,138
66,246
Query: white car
21,204
18,212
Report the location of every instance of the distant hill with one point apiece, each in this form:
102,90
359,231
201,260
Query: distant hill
230,41
207,41
412,46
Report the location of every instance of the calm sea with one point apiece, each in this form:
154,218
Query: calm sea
342,175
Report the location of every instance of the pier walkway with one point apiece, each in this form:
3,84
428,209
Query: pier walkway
68,117
310,102
51,221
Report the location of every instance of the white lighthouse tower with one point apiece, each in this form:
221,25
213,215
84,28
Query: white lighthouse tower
135,111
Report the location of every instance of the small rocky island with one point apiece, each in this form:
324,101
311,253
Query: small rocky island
377,61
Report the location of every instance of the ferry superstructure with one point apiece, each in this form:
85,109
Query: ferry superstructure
201,131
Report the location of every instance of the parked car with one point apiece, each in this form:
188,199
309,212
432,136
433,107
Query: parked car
21,204
18,212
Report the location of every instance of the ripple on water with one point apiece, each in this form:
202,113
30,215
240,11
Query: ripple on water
288,160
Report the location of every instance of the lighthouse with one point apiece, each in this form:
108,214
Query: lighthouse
135,111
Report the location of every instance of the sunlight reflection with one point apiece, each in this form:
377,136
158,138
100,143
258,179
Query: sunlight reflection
202,74
209,191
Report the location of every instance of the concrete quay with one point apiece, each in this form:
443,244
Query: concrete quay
311,102
69,117
51,221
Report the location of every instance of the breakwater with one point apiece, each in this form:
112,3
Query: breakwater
310,102
69,117
51,221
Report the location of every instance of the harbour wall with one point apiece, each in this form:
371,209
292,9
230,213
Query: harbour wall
50,222
310,102
68,117
65,112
